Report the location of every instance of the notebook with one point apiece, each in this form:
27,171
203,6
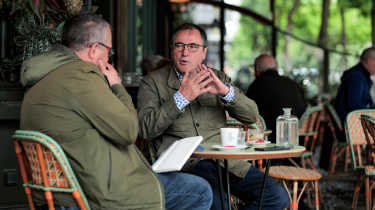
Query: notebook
174,158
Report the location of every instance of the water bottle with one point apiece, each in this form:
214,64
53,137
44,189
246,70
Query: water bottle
287,129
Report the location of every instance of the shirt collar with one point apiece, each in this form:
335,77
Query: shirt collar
178,74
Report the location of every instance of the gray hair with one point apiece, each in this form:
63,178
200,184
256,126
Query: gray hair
265,62
83,30
368,53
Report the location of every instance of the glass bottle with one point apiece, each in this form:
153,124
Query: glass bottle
287,129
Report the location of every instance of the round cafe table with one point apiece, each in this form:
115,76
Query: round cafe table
250,153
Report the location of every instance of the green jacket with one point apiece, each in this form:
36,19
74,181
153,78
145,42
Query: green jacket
162,122
96,125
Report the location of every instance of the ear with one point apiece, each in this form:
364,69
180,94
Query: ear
92,51
204,53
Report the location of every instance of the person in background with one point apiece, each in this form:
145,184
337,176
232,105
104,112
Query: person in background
77,98
189,99
152,63
354,90
272,92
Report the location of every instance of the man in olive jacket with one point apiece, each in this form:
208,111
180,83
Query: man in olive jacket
76,97
189,99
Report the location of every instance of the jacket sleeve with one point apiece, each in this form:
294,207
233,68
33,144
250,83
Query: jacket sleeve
156,114
242,108
110,111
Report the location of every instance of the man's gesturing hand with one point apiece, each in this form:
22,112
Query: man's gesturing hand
216,86
194,84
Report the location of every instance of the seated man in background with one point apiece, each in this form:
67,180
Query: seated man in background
354,90
272,92
153,62
189,99
77,98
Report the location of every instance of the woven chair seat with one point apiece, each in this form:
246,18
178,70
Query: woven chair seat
294,173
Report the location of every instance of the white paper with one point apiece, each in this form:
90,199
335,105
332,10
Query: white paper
174,158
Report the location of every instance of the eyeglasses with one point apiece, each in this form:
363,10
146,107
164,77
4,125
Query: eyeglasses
192,47
111,52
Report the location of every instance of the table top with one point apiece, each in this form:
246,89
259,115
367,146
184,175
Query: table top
248,153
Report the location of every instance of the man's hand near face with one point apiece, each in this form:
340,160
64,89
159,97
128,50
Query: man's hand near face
110,73
216,86
194,84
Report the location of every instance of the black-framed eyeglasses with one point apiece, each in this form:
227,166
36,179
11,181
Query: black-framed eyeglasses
111,52
192,47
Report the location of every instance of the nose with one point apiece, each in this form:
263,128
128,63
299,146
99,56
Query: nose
185,51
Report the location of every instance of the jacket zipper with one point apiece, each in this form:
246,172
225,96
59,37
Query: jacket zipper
110,170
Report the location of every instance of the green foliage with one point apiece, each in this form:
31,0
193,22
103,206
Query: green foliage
304,62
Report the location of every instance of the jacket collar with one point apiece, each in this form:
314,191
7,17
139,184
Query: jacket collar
173,81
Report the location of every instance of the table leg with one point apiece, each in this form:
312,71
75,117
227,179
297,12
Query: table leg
221,188
228,186
264,184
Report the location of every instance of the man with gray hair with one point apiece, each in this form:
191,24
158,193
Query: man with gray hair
354,90
77,98
272,92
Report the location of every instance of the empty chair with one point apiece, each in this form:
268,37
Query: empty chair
340,149
356,138
308,132
44,167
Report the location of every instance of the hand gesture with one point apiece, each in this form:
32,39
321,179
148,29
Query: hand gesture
216,86
194,84
110,73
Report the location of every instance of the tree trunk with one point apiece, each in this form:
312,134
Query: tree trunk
322,41
373,22
343,35
296,4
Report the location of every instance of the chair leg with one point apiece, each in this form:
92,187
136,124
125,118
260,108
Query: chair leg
49,199
332,161
77,196
317,194
367,193
347,157
356,191
294,203
29,198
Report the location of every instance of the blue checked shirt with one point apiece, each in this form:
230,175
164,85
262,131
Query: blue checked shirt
182,102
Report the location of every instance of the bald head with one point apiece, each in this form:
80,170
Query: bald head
263,63
368,59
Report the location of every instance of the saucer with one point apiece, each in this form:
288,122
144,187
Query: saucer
258,144
221,147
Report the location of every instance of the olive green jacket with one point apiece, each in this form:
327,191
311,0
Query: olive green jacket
96,125
162,122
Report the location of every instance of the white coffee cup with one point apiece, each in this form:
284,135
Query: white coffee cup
229,136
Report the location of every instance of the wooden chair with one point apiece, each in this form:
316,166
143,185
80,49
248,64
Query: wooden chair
309,125
356,138
308,130
44,167
340,149
287,174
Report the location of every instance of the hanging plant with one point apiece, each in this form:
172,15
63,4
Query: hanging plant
37,24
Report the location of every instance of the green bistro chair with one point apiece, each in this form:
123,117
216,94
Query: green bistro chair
356,137
44,167
309,125
340,149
